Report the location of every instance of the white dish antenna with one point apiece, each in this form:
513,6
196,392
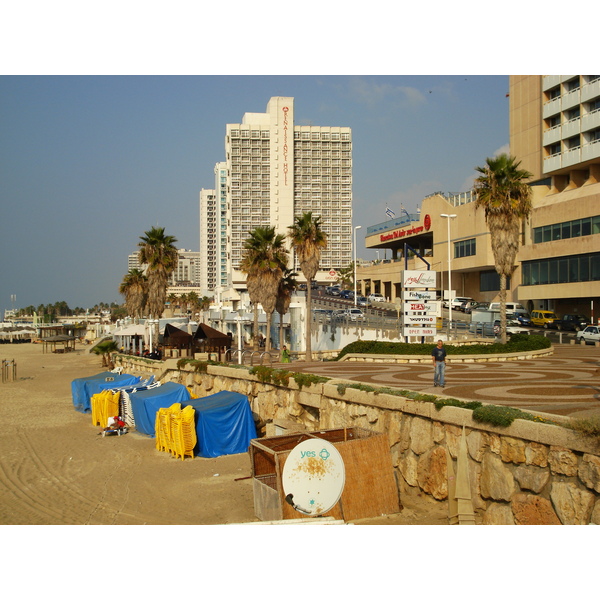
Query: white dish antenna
313,477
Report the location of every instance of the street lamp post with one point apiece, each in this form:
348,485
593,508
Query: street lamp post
355,297
449,276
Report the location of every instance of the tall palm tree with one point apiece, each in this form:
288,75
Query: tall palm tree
264,260
308,241
134,288
287,285
504,195
158,251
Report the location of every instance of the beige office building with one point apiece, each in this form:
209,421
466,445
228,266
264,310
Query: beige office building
555,133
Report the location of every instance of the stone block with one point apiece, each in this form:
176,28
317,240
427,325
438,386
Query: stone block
496,481
533,510
532,478
562,461
589,471
572,505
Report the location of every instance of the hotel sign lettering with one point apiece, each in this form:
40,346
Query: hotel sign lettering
419,279
400,233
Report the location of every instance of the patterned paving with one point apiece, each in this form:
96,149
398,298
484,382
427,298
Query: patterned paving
567,383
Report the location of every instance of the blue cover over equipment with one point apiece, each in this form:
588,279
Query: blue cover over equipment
145,404
84,388
224,424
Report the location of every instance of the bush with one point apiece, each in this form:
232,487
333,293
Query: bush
517,343
589,426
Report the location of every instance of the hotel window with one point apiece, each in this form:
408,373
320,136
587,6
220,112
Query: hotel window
571,269
572,85
553,149
573,142
464,248
553,93
573,114
553,121
489,281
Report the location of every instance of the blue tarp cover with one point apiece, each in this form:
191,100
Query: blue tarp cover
145,404
224,424
84,388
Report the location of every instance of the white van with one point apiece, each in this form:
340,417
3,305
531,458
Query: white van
511,307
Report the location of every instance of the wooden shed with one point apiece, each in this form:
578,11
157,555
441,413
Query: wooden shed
207,339
176,342
370,488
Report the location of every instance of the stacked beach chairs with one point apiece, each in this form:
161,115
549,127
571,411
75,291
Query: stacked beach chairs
176,430
104,405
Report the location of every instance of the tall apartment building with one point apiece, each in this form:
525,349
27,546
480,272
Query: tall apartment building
276,170
208,239
185,274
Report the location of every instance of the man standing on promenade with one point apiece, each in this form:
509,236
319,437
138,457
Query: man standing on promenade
438,355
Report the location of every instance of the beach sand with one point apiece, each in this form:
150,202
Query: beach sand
55,468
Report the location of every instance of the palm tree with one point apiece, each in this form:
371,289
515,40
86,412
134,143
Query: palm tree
308,240
134,288
106,349
263,261
158,251
502,192
287,285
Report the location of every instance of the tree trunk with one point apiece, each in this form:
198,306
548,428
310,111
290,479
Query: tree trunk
503,308
268,337
308,321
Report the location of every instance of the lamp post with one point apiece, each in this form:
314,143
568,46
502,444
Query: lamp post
449,276
355,298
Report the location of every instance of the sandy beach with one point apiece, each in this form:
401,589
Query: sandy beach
56,470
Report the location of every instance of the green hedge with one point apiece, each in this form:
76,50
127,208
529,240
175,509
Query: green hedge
517,343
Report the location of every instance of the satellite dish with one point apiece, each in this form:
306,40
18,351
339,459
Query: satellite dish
313,477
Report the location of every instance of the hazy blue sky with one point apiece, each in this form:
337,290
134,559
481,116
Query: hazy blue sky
95,148
89,163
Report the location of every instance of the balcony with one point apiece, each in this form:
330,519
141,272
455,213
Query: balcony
590,121
552,163
550,81
571,157
552,135
571,99
571,128
590,90
590,151
552,107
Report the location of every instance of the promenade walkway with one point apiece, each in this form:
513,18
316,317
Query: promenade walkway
566,383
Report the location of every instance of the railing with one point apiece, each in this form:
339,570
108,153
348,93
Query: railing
242,355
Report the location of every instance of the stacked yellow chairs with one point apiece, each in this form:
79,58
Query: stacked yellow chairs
105,404
176,430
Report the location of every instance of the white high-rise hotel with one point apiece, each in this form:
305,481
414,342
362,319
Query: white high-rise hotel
273,172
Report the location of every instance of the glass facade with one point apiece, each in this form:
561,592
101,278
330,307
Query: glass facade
566,230
562,269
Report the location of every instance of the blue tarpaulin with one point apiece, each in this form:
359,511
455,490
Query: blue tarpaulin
84,388
224,424
145,404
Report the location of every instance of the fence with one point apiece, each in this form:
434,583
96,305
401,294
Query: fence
9,370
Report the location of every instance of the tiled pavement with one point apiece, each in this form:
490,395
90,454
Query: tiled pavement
566,383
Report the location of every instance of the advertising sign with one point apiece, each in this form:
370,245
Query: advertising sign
428,307
419,279
419,320
419,331
418,295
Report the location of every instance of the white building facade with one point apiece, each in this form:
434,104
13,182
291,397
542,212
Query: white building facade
274,171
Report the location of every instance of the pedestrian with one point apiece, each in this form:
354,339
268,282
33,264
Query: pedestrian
438,355
285,355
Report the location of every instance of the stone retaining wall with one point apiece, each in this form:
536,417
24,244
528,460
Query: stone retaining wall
528,473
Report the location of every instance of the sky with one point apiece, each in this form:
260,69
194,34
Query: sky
101,141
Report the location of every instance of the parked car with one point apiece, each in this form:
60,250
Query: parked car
544,318
355,314
322,313
512,326
523,318
361,301
375,298
590,334
456,302
572,323
467,306
347,294
333,290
